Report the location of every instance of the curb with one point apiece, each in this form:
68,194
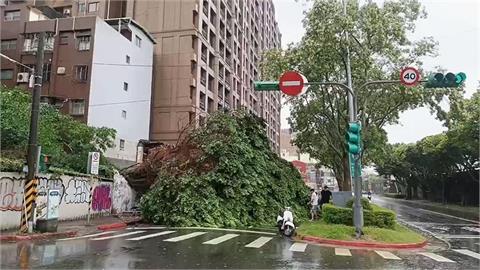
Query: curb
362,244
112,226
15,238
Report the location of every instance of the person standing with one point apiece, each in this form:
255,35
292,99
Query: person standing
326,195
314,204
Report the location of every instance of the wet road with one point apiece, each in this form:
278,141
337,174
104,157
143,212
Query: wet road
461,235
160,248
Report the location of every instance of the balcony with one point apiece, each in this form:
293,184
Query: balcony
204,57
205,8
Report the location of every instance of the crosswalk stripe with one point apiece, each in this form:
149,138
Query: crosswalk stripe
184,237
150,235
435,257
342,252
259,242
221,239
387,255
468,253
86,236
298,247
117,235
145,228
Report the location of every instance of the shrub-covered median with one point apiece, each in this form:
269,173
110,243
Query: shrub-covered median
223,174
380,225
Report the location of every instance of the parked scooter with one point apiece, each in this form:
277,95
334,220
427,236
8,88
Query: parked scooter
285,223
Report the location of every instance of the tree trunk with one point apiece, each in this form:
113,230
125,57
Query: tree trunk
409,192
346,184
443,192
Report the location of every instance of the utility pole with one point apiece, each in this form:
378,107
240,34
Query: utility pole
352,113
32,154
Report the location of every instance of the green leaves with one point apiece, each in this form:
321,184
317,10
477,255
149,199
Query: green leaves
66,140
248,185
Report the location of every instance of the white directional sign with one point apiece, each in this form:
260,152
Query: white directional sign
93,162
409,76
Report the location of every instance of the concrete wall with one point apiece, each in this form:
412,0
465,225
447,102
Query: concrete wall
107,196
107,95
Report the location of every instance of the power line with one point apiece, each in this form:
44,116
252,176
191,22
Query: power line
15,61
116,103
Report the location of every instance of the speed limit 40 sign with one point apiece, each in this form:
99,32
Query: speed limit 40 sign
409,76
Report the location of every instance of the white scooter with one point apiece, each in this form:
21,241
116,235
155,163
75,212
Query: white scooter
285,223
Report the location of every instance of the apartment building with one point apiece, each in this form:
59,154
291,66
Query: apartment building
206,57
98,71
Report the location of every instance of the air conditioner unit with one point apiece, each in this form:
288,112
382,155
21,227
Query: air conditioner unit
66,12
61,70
23,77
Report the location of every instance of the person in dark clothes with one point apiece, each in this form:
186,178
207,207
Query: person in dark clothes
325,195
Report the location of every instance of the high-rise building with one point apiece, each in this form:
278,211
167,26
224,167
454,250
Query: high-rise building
207,57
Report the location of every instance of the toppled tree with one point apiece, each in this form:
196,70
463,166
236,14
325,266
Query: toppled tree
223,174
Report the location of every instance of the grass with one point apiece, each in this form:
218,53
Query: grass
399,234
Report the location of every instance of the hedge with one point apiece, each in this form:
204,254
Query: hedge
378,217
395,195
365,204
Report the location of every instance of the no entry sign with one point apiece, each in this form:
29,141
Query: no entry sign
292,83
409,76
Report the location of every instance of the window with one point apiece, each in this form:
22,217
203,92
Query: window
47,68
12,15
122,144
63,40
138,41
9,44
124,114
81,7
84,43
7,74
77,107
92,7
127,59
125,86
81,73
30,43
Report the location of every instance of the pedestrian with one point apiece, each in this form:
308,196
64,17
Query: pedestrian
314,204
326,195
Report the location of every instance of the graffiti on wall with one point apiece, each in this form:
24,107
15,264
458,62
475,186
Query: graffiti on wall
122,195
101,199
11,193
77,191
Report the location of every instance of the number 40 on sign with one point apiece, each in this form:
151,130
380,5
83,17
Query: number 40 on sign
409,76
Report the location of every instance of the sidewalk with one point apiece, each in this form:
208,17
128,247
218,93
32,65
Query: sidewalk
468,212
73,228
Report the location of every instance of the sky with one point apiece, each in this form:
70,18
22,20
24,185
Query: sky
455,24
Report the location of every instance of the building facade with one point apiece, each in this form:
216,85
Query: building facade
98,71
206,59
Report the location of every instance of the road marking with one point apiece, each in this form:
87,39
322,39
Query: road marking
117,235
459,236
259,242
342,252
224,230
472,229
221,239
387,255
184,237
435,257
150,235
145,228
298,247
468,253
86,236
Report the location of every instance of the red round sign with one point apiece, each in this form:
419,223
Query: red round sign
291,83
409,76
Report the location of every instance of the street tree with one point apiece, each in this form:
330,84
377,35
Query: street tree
380,46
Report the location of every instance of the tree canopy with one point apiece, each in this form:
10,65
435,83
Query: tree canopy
64,139
380,47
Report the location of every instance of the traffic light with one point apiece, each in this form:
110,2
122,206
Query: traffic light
353,138
44,163
438,80
266,86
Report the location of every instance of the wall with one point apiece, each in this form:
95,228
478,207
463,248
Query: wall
107,95
107,196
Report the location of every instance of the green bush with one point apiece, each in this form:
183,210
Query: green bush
245,184
395,195
378,217
365,204
10,165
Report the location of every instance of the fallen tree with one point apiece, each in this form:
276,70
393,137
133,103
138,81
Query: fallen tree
223,174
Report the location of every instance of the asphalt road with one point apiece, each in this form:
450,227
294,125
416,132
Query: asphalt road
175,248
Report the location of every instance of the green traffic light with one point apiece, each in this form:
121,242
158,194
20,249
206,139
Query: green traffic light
353,138
438,80
460,77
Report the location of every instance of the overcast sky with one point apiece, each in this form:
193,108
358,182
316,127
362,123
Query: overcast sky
455,24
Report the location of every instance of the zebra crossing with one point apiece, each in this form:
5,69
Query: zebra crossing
144,233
